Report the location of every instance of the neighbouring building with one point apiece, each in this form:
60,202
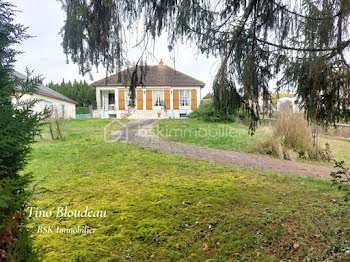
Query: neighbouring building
288,103
207,98
164,93
61,106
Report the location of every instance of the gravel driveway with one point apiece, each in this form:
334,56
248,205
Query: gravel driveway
139,132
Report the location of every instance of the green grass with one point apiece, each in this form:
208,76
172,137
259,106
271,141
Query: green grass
169,208
230,136
339,148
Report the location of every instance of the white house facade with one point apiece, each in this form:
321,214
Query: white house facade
288,103
164,93
62,106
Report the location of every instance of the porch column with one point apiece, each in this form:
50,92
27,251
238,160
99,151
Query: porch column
106,100
103,94
98,99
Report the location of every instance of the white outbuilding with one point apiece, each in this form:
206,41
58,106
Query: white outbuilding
62,106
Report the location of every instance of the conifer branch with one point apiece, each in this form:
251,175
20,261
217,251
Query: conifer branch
342,46
238,33
305,16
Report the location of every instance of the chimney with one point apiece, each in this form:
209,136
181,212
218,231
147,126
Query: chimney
161,62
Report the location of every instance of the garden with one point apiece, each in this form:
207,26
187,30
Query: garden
288,136
166,207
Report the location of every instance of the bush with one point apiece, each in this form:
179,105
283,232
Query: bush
295,132
207,112
22,249
19,125
290,137
83,110
341,178
271,145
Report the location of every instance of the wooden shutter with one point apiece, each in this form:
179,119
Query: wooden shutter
121,97
167,99
149,99
193,99
139,99
176,99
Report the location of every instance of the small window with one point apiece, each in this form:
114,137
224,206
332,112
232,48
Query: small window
47,105
63,113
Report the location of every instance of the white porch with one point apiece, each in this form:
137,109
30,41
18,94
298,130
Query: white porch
150,102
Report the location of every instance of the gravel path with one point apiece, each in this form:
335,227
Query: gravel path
139,132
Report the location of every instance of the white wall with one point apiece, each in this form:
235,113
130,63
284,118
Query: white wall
69,108
291,100
115,89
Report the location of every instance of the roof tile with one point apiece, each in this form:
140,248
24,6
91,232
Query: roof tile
159,75
45,91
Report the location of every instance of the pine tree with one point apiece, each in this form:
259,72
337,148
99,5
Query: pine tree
301,45
81,92
18,127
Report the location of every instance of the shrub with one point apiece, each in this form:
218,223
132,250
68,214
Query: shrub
83,110
289,138
271,145
55,127
295,132
19,124
207,112
341,178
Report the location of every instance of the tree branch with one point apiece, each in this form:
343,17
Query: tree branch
343,45
238,33
305,16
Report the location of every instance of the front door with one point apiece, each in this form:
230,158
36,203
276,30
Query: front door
158,99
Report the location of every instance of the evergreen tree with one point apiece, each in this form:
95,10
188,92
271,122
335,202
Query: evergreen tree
81,92
18,126
301,45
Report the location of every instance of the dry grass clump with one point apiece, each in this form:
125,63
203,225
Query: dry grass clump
340,131
289,138
295,132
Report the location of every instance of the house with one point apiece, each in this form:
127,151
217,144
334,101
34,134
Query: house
164,93
288,103
207,98
62,106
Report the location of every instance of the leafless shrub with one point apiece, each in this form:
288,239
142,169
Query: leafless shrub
56,125
290,137
295,132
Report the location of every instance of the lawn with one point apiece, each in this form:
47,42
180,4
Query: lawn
340,148
169,208
230,136
233,136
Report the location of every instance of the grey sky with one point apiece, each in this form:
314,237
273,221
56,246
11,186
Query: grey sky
43,53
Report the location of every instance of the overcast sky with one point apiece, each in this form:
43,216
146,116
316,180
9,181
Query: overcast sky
44,54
